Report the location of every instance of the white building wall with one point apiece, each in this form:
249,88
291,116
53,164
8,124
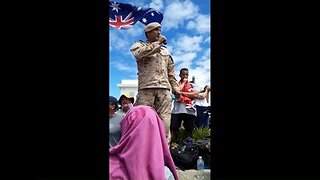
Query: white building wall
129,87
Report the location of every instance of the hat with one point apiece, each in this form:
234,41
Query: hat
127,96
113,100
152,26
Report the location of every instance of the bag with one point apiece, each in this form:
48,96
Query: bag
204,151
185,156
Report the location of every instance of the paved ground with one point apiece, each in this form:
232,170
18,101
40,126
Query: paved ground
189,174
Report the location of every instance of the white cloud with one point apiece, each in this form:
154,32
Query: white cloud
187,43
202,77
202,70
184,60
198,67
185,51
156,4
177,12
116,42
207,40
191,25
201,24
138,3
123,39
136,31
204,61
123,67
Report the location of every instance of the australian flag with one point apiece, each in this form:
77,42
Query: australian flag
124,16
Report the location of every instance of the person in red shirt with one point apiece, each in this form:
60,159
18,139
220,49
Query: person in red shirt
185,86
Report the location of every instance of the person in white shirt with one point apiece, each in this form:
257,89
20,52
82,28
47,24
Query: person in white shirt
202,107
201,104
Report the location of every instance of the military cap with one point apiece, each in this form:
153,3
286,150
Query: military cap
152,26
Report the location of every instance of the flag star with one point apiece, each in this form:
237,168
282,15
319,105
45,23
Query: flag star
152,14
144,20
115,6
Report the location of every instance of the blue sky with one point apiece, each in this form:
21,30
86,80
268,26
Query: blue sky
186,25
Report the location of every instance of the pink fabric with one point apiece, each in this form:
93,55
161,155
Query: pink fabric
142,151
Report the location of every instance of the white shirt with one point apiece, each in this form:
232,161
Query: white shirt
200,102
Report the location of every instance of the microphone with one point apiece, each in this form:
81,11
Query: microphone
164,39
165,42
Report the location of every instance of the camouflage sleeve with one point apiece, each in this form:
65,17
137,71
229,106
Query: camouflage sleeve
141,50
172,78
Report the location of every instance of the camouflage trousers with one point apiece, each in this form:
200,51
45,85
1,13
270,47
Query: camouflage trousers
160,100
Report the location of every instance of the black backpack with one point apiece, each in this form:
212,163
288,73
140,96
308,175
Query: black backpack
204,151
185,156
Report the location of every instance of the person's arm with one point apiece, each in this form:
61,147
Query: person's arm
193,94
141,50
204,94
196,94
172,79
184,81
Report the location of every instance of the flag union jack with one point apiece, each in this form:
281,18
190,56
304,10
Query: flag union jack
124,16
119,23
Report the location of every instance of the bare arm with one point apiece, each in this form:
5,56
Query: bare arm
193,94
205,94
196,94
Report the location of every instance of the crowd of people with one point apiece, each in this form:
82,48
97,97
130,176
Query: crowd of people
141,129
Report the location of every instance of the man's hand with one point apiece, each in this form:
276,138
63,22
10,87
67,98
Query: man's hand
184,80
162,39
177,92
208,88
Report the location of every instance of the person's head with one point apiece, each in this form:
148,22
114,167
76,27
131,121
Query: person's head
184,73
124,100
152,31
113,105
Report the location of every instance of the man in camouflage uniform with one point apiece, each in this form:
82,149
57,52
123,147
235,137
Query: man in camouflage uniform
156,75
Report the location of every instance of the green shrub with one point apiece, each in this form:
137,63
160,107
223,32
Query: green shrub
198,133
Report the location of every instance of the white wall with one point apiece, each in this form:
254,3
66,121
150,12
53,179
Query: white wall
129,87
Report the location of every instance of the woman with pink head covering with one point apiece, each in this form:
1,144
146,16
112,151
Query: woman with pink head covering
142,152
